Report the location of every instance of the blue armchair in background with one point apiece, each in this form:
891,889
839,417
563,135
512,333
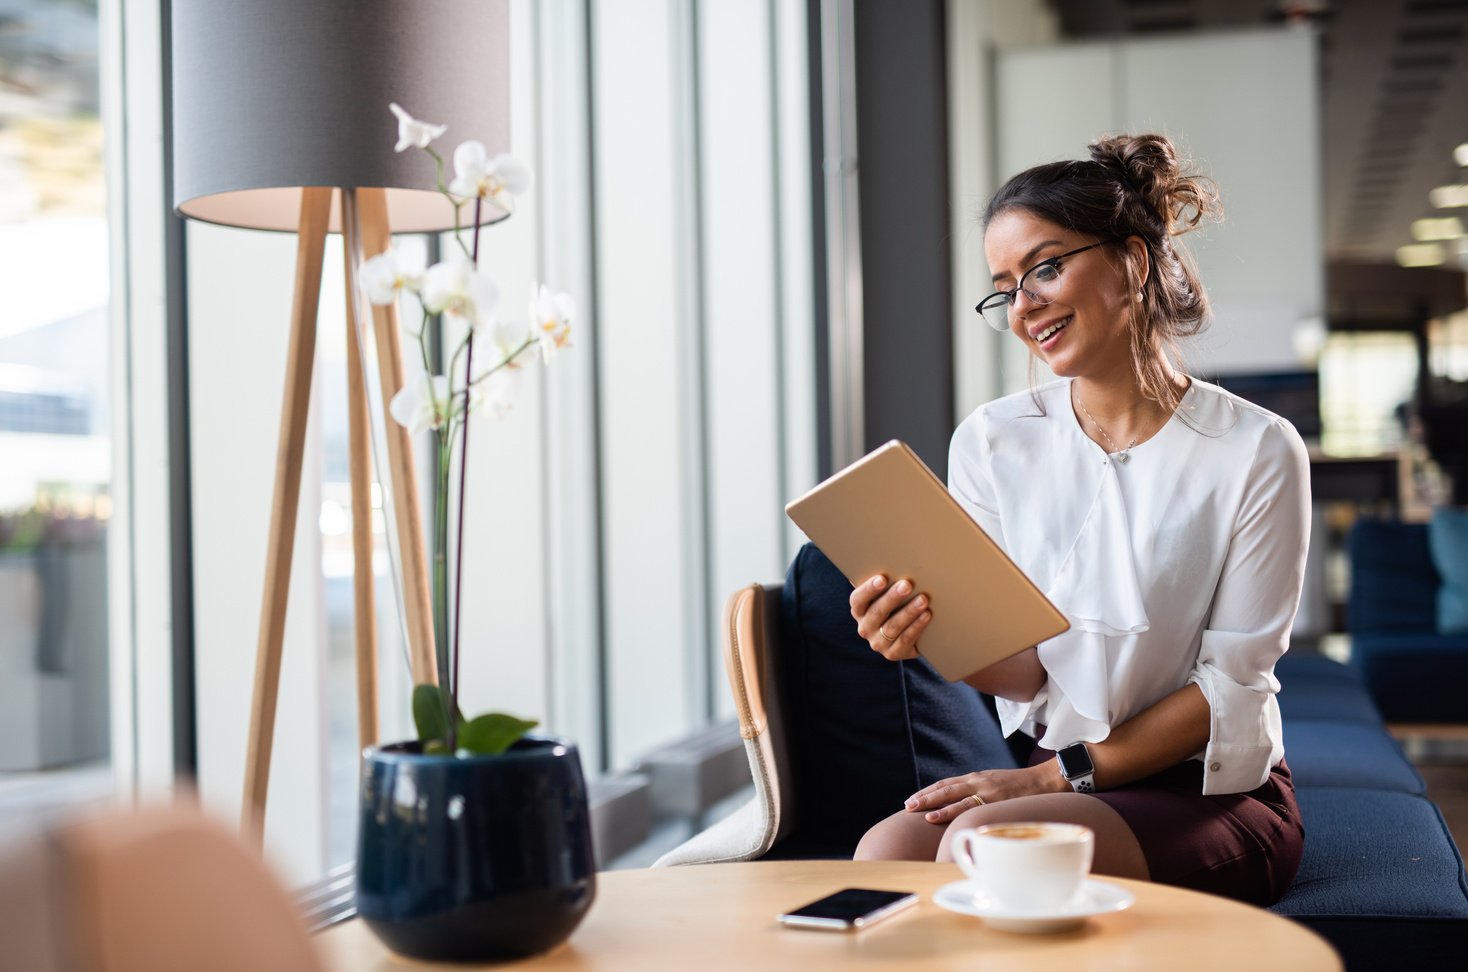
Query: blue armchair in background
1409,631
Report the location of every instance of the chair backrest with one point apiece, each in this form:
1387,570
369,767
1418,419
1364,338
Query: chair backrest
1393,582
751,659
751,646
160,890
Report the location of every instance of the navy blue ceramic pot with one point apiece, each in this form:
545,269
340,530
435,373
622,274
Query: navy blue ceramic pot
477,858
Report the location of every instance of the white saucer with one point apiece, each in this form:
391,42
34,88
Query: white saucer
1093,898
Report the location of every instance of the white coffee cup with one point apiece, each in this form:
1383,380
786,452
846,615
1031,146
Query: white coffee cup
1026,866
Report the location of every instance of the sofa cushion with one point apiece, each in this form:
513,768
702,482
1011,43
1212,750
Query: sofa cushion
1393,582
1315,687
1415,677
1372,853
1321,752
1447,541
857,751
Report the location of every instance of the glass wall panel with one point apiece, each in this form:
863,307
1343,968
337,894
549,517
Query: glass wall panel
641,475
55,459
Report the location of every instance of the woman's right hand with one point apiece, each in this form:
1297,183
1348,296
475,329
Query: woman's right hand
890,626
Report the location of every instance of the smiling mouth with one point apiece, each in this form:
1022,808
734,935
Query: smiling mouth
1051,331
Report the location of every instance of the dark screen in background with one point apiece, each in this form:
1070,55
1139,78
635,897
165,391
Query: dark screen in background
1292,395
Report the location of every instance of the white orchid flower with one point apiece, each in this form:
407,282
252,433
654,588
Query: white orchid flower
511,338
500,391
392,271
550,318
413,133
496,179
422,403
456,288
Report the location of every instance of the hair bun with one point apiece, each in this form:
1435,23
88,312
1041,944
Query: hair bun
1149,166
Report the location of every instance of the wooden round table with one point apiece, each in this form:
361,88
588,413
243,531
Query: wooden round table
722,916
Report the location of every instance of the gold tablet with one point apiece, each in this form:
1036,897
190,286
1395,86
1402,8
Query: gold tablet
888,514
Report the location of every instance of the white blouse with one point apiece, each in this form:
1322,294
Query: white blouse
1182,564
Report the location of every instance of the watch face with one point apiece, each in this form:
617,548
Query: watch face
1075,761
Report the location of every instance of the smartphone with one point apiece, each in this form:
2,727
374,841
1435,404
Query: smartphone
849,909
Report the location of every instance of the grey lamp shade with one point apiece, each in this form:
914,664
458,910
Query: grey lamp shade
270,96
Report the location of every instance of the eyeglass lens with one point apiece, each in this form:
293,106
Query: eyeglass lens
1041,284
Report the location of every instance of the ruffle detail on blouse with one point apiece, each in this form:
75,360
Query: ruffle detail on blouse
1075,701
1097,589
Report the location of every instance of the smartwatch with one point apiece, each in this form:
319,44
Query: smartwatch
1077,768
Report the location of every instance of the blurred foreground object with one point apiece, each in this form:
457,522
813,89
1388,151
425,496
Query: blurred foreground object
156,890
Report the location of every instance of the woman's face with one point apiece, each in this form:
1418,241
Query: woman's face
1082,332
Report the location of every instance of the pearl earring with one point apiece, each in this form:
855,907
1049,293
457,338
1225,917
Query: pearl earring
1139,296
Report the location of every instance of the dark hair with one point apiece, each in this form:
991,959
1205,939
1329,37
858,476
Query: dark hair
1132,185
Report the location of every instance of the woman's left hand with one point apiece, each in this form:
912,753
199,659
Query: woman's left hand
940,802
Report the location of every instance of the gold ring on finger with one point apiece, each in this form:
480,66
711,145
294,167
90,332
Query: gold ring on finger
978,800
884,634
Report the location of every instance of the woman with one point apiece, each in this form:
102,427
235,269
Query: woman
1166,517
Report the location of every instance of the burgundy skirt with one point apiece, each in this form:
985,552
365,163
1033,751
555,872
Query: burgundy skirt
1240,845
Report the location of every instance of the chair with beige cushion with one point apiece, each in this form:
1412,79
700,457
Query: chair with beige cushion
837,736
751,644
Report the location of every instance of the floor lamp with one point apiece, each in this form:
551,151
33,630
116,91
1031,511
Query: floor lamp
281,122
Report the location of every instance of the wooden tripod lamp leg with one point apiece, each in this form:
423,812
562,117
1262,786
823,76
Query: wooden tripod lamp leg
376,237
359,446
315,214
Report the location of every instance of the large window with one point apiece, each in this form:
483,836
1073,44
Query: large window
54,412
1365,381
641,477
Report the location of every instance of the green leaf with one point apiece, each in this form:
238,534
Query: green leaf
492,733
428,710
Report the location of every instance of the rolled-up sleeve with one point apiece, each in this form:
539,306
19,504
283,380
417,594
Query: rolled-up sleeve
1253,609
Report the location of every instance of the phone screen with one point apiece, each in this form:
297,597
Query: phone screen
850,908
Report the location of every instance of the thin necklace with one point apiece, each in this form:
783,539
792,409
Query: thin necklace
1120,455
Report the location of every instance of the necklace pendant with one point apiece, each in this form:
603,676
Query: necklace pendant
1122,456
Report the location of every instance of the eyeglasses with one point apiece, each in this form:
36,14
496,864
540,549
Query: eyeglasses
1041,284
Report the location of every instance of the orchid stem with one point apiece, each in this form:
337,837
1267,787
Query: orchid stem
508,362
440,588
423,341
457,648
457,204
454,361
441,519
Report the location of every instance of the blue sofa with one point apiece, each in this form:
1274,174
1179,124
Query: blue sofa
1381,878
1414,672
